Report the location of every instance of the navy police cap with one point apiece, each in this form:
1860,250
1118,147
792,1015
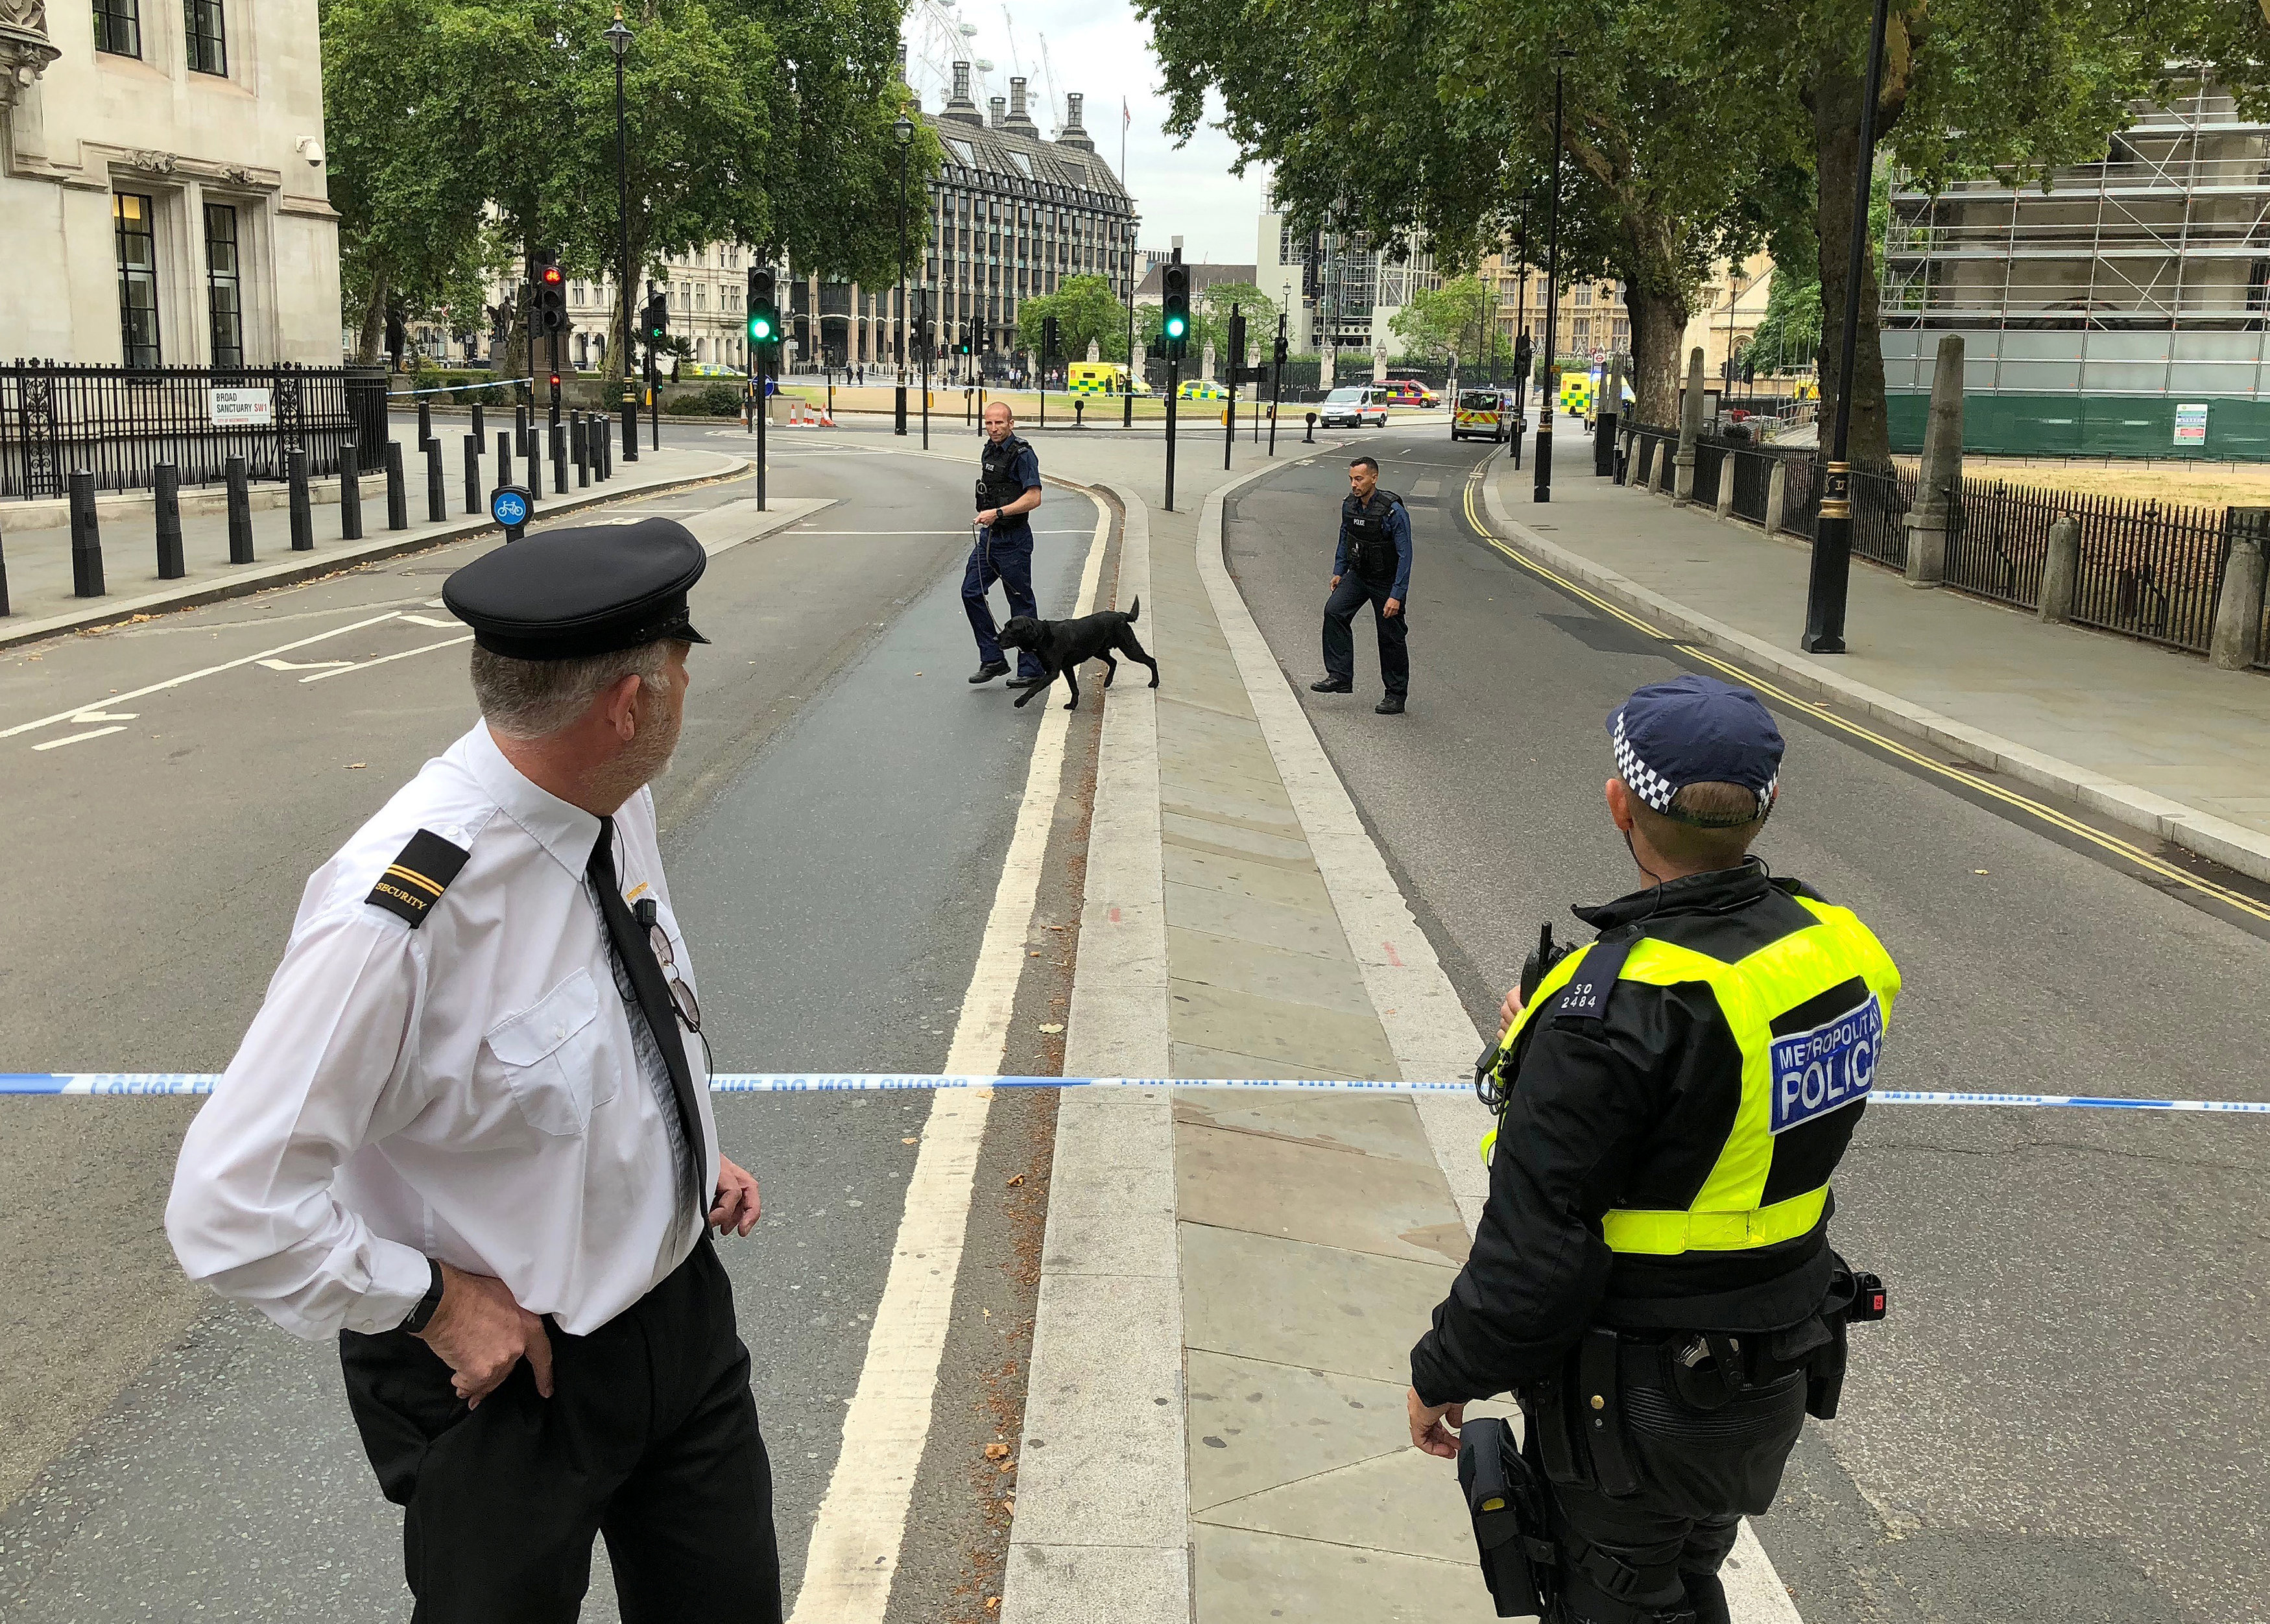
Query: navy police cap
591,590
1696,729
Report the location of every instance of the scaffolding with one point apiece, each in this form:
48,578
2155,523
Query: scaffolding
2142,277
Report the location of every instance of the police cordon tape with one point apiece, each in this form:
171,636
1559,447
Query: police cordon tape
884,1082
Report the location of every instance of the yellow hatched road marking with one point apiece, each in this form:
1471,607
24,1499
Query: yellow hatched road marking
2127,850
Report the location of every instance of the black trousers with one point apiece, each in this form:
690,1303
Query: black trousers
1638,1558
649,1439
1340,641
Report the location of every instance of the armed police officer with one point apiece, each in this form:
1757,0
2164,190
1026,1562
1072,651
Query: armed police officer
1008,490
1372,564
1651,1275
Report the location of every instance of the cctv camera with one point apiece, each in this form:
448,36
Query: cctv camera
312,150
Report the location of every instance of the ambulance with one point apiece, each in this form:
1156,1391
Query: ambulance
1102,378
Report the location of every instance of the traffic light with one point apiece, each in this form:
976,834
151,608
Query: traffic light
764,309
1175,316
1048,339
1236,336
655,321
1284,350
550,291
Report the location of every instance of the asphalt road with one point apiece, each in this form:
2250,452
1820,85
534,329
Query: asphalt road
835,819
2063,1420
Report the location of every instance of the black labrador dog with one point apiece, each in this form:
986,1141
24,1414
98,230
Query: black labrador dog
1061,645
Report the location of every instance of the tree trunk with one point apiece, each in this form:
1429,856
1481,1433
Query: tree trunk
373,336
1837,94
1658,323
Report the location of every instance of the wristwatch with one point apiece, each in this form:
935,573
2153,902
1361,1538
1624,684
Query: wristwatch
423,1314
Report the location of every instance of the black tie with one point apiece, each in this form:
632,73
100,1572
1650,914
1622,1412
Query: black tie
636,955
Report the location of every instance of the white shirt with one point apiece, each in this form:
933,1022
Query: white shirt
467,1089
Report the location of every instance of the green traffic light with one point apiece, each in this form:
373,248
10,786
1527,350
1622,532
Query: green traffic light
760,329
1177,327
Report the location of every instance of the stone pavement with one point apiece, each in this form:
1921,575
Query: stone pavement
1231,1281
38,561
2159,740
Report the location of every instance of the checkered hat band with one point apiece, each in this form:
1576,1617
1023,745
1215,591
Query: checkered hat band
1657,791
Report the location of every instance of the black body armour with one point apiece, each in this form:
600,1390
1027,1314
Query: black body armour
998,485
1371,552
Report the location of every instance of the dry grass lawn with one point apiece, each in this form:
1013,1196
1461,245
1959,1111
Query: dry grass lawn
2194,484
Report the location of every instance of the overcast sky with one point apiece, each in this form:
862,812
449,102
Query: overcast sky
1098,49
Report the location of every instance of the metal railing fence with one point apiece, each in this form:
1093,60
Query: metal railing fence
1752,472
120,423
1880,501
1710,463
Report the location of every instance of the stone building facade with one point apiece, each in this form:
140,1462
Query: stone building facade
162,194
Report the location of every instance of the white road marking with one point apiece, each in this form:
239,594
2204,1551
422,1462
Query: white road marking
226,665
387,659
103,715
443,626
964,531
72,738
303,666
856,1541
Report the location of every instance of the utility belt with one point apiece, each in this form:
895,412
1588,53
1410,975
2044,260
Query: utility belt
1577,1430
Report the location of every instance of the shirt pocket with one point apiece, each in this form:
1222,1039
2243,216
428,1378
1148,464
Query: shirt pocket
550,1056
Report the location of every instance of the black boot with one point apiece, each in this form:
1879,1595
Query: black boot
1333,685
990,670
1392,706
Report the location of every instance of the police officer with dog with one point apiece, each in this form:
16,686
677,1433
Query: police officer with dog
1372,564
1652,1276
1008,490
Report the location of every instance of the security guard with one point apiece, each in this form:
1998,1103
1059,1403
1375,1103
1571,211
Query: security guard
468,1131
1651,1275
1008,490
1372,564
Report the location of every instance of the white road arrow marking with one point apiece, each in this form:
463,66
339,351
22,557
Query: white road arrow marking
72,738
303,666
388,658
446,626
85,717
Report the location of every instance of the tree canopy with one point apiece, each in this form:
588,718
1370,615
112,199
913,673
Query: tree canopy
1086,310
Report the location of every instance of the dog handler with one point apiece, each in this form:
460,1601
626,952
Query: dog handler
1371,564
1651,1275
467,1134
1008,490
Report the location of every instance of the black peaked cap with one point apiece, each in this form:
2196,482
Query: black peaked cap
569,594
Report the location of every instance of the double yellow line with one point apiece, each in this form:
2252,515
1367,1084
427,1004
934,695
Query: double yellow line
2126,851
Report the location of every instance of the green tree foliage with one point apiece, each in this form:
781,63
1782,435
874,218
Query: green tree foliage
1086,310
766,122
1446,323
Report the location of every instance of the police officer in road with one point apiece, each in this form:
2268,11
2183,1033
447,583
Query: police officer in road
1651,1275
469,1133
1372,564
1008,490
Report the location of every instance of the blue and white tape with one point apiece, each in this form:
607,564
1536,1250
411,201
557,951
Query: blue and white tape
884,1082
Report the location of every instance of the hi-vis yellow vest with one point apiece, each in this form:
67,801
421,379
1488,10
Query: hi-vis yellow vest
1788,1079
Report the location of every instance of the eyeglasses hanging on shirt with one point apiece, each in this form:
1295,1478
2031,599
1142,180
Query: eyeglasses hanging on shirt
689,1008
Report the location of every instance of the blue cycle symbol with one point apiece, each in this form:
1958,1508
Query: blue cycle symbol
509,508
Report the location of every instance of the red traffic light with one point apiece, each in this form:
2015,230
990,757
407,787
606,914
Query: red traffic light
556,380
551,273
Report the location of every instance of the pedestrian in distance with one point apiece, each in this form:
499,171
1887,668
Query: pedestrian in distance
1008,491
1371,564
469,1134
1652,1276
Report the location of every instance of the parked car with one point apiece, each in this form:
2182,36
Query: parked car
1354,407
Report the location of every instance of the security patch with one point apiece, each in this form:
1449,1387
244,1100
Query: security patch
1828,1068
414,881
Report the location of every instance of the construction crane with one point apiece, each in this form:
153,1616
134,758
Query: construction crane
935,40
1056,102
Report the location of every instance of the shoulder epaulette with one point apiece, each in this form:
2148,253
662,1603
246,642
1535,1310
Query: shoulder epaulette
414,881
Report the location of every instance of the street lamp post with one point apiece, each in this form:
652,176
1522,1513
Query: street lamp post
1552,297
619,41
1832,545
904,130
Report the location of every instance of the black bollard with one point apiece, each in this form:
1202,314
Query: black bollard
594,436
437,485
350,494
1309,438
168,493
630,431
560,459
504,459
397,494
85,539
238,478
424,423
480,426
3,582
303,515
473,472
520,434
582,450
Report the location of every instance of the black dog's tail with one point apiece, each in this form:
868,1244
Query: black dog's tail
1135,610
